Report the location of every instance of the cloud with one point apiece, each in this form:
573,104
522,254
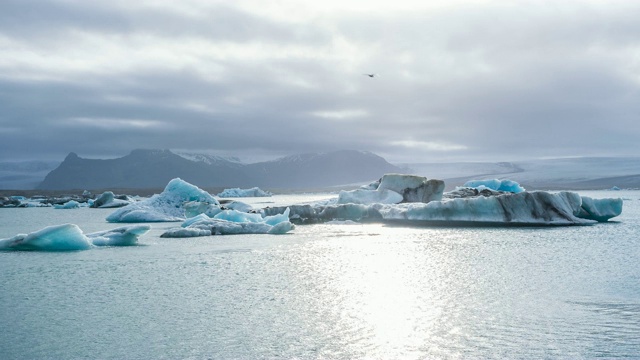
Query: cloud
463,80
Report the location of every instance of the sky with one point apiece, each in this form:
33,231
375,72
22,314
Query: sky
455,80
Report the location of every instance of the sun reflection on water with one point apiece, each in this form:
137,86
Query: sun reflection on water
390,289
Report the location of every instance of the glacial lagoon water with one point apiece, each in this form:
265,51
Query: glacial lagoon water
340,291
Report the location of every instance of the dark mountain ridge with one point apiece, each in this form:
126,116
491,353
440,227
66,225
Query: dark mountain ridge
155,168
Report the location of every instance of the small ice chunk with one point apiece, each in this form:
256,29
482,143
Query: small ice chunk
495,184
122,236
237,192
71,204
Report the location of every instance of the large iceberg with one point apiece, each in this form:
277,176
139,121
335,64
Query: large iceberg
69,237
504,205
166,206
526,208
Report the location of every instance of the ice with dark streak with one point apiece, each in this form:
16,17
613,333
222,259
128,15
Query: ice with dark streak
480,205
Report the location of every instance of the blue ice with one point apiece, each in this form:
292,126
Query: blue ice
69,237
495,184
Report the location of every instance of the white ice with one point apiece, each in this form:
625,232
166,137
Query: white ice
238,205
122,236
363,196
229,222
71,204
238,216
167,206
237,192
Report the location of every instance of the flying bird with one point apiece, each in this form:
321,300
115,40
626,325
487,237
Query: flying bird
370,75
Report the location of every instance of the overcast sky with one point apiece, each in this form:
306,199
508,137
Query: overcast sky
455,80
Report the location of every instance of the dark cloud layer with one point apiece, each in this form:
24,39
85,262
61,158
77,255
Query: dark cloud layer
497,81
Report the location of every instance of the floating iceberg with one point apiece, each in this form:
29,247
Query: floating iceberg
237,192
69,237
600,210
122,236
533,208
167,206
108,200
71,204
462,206
232,222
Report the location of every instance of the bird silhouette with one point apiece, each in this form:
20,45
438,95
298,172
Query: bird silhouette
370,75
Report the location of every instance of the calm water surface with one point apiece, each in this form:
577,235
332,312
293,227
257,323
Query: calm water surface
327,291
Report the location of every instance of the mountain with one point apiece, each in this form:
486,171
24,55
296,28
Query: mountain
324,169
154,169
139,169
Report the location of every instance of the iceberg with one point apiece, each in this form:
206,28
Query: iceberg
394,189
237,192
166,206
108,200
600,210
496,185
186,232
71,204
526,208
122,236
232,222
413,188
66,237
467,205
69,237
